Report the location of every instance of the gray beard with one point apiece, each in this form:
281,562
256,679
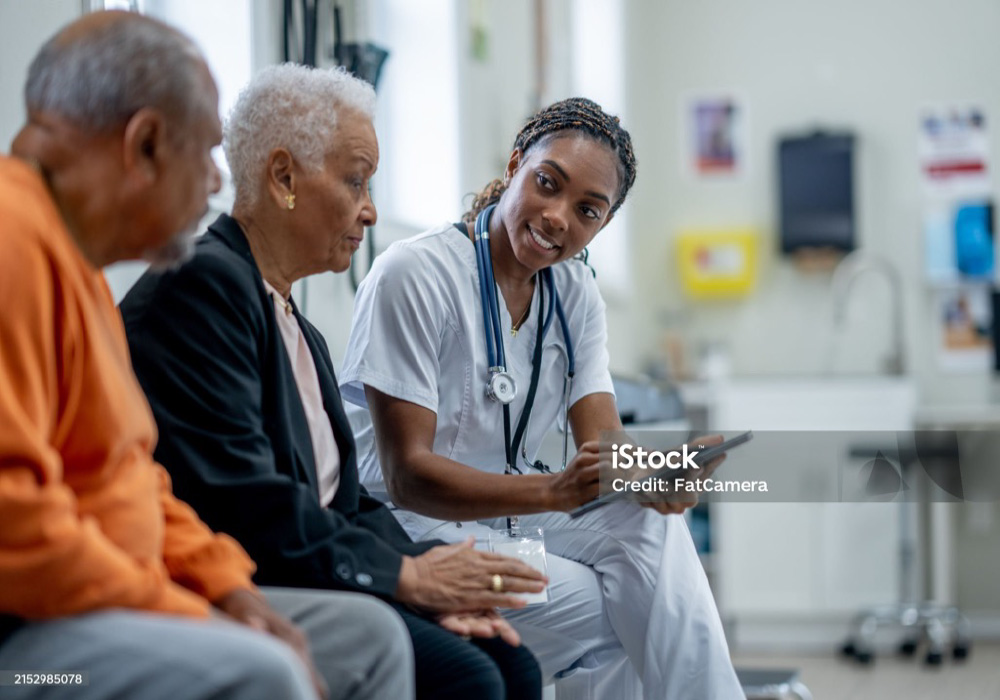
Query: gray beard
174,253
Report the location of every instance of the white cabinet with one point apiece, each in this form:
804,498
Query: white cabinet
788,560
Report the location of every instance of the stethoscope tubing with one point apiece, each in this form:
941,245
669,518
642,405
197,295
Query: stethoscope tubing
484,297
496,355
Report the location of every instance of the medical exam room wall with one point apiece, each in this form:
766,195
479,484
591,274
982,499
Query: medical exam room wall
23,28
865,65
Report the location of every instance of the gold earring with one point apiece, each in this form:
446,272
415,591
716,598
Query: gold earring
290,201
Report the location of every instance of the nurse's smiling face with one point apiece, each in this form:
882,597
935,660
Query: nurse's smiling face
558,197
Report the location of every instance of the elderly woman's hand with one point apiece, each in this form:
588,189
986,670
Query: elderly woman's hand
485,624
459,578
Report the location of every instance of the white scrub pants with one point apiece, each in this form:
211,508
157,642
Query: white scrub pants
630,613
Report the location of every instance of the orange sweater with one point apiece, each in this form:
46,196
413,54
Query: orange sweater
87,518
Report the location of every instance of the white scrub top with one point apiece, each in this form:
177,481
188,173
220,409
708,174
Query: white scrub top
418,335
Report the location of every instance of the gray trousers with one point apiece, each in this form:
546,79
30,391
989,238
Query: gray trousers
359,645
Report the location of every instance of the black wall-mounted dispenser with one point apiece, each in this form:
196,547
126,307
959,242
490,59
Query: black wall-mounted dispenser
816,191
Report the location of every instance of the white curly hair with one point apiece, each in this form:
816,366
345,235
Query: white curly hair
288,106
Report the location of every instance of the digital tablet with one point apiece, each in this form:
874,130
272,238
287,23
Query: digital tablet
702,458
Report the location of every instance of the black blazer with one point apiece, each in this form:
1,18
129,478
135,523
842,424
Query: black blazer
233,435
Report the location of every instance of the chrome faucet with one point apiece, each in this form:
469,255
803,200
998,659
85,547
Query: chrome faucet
855,265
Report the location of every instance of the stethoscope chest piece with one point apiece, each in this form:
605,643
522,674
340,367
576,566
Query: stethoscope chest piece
501,387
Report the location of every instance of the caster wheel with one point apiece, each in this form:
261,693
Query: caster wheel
848,650
960,652
908,647
865,658
933,658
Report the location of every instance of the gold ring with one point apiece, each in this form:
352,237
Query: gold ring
497,583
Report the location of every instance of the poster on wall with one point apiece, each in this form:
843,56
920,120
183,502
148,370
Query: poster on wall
959,241
954,151
964,322
959,238
715,138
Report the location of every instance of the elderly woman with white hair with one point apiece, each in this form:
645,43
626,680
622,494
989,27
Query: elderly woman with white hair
242,387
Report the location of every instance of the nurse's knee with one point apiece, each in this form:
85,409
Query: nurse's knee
576,602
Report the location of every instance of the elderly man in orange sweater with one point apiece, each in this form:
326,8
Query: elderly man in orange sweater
106,580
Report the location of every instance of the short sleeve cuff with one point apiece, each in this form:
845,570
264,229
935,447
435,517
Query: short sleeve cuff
591,385
354,379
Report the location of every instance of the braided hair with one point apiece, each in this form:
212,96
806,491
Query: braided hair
573,114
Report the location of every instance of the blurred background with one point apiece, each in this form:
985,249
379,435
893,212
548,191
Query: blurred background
810,245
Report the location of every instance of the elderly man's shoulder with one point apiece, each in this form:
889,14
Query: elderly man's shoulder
32,235
27,212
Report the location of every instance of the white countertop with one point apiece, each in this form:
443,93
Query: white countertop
957,415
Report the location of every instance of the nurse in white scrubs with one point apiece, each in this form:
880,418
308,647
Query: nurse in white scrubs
630,613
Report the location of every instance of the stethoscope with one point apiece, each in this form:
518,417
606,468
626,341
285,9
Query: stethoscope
500,385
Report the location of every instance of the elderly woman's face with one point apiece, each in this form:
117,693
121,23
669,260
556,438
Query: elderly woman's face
333,206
